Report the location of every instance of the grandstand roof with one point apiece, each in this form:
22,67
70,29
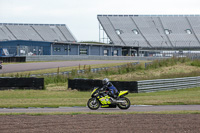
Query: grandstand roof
153,31
146,15
35,32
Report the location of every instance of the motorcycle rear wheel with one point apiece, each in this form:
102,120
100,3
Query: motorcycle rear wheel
92,104
124,105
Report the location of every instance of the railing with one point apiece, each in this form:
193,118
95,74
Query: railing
168,84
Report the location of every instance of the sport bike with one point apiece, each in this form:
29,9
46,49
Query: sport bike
102,99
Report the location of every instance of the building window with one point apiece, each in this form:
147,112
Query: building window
57,49
168,31
54,49
118,31
188,31
135,31
115,52
83,51
66,49
105,52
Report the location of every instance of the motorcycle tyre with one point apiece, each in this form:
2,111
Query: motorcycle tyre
97,102
122,107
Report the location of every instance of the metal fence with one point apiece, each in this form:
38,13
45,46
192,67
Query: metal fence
168,84
87,57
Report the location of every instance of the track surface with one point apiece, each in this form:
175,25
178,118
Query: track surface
133,108
9,68
131,123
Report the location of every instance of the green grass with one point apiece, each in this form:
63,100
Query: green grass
195,63
63,97
57,94
173,97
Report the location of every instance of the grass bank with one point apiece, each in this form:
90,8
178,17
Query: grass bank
62,97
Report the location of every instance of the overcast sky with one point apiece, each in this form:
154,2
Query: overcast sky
81,15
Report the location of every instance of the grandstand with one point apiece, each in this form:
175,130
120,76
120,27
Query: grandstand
125,35
148,32
35,32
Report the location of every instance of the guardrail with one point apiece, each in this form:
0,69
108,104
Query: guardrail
89,84
139,86
168,84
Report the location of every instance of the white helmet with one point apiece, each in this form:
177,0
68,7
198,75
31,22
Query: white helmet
105,81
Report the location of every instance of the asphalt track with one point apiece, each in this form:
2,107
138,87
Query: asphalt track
133,108
20,67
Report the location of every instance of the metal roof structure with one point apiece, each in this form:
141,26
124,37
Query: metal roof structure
35,32
152,31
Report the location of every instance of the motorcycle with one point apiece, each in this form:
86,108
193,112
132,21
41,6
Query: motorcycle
102,98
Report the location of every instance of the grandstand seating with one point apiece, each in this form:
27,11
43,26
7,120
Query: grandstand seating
35,32
153,31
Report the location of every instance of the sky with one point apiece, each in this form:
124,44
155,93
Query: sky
80,16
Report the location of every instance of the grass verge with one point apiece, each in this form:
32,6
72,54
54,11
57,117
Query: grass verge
68,98
61,69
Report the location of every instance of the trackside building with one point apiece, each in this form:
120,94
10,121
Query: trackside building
48,39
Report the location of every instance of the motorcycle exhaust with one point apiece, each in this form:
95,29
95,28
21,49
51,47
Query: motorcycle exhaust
120,101
116,101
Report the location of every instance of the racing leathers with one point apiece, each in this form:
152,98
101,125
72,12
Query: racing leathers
113,92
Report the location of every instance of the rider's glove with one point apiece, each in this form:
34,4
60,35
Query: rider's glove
101,89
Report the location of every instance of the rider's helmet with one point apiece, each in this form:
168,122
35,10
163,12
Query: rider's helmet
105,81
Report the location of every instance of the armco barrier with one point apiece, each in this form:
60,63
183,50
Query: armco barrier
21,83
89,84
138,86
168,84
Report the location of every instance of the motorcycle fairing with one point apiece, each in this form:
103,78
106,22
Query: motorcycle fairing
123,93
105,100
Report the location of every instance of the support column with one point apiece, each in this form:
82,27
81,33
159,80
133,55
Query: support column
78,50
129,52
111,52
52,49
68,49
89,50
137,52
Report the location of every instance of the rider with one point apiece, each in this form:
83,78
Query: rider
112,89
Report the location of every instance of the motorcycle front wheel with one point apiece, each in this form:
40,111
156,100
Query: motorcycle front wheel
93,104
125,105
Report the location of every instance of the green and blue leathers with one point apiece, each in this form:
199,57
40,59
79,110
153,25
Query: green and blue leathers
102,99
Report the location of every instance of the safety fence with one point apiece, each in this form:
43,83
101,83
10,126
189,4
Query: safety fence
21,83
93,70
138,86
88,57
168,84
89,84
